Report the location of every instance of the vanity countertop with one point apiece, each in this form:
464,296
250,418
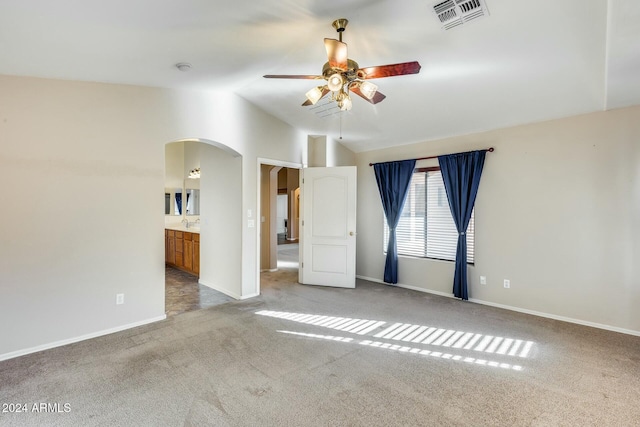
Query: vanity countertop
181,227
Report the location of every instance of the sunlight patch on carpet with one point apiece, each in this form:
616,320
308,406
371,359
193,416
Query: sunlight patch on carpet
414,334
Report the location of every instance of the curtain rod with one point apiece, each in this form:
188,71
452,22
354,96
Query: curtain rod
490,149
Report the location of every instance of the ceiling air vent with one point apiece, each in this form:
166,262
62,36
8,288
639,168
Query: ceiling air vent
452,13
325,108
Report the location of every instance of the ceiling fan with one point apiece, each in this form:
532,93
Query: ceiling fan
344,75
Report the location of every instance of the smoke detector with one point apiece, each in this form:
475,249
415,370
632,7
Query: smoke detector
183,66
452,13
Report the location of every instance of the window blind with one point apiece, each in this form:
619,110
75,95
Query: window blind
426,228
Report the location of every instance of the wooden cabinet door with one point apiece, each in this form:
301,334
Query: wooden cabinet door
179,249
171,247
188,251
196,254
166,245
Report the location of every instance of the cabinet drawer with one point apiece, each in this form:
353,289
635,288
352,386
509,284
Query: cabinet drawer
196,237
170,233
178,234
188,236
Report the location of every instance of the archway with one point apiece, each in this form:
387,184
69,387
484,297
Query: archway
211,232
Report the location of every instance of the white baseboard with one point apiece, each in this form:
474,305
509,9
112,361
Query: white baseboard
60,343
556,317
219,289
512,308
413,288
227,292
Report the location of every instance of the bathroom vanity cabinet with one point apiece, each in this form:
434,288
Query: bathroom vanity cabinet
182,250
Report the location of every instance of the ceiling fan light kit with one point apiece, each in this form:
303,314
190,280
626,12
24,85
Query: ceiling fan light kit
368,89
343,100
335,82
314,94
344,75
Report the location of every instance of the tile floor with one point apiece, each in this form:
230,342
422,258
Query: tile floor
183,293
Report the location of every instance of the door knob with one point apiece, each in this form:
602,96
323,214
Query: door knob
351,233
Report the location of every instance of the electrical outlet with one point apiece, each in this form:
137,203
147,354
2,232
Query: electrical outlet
483,280
119,298
507,283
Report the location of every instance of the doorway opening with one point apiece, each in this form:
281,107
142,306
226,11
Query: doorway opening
279,206
195,205
288,218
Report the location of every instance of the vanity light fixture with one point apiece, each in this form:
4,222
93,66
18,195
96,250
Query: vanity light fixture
195,173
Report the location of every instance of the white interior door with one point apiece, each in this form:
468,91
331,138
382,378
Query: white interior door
328,246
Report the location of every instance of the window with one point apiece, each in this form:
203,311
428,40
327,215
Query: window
426,228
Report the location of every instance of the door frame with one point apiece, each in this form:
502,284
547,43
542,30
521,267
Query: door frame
270,162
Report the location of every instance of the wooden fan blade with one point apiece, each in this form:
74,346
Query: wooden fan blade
325,90
337,53
377,97
292,76
390,70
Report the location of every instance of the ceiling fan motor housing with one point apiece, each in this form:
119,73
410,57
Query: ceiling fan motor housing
349,74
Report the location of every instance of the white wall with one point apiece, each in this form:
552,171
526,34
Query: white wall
338,154
317,148
174,165
325,151
63,259
557,213
221,215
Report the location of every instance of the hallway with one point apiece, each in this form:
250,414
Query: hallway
288,256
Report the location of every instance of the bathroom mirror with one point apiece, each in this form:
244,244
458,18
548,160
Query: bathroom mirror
193,202
173,201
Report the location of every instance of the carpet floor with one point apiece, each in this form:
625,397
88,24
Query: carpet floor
315,356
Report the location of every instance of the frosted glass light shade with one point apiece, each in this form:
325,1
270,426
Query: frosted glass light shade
335,82
314,94
345,104
368,89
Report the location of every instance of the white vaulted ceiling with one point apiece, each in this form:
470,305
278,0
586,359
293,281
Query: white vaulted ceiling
527,61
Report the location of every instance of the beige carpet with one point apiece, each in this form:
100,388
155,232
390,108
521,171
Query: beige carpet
315,356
